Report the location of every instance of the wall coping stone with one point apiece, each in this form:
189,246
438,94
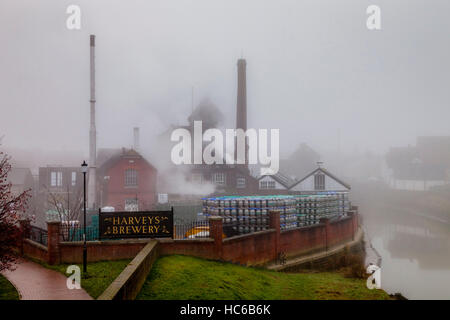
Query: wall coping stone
243,236
36,244
105,242
169,240
126,275
303,228
340,220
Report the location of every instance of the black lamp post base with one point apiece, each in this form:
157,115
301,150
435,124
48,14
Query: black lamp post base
84,260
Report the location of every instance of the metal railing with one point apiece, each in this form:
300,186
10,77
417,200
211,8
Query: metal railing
183,230
71,233
38,235
195,229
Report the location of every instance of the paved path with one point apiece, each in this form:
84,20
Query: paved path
35,282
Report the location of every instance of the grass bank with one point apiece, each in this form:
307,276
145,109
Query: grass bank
99,274
189,278
7,290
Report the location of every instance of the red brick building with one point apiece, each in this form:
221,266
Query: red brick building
126,180
227,179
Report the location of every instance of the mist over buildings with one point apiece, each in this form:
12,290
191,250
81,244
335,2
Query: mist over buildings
313,70
371,109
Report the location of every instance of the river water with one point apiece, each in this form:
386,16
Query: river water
414,246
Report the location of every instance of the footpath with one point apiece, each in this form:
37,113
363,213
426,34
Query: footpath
34,282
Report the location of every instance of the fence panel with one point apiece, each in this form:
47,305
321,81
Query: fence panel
183,229
191,229
38,235
75,233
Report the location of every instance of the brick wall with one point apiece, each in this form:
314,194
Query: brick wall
72,252
130,281
202,248
251,249
303,240
34,250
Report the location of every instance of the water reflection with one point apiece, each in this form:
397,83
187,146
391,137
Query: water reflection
414,246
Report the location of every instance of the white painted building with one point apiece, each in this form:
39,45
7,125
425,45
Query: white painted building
415,185
274,182
320,180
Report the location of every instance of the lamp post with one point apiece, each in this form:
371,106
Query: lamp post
84,168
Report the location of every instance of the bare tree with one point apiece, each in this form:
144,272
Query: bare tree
68,206
11,212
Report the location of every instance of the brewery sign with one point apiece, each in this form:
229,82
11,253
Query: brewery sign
138,224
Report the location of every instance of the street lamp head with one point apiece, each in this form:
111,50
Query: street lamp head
84,167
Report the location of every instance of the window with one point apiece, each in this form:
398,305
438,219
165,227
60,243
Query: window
219,178
131,205
56,178
74,178
240,182
319,181
130,178
267,184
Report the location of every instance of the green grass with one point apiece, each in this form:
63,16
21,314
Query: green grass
189,278
99,274
7,290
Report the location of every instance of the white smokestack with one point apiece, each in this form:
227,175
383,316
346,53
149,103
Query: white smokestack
136,138
91,199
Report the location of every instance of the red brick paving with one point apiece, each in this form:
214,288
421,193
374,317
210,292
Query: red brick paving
35,282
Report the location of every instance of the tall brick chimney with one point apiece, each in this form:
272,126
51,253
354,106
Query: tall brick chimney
241,106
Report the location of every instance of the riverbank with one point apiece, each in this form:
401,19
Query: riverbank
432,204
409,230
189,278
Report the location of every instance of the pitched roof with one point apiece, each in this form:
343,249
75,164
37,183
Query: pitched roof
117,154
324,171
104,154
280,178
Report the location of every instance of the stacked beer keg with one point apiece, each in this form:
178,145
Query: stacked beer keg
246,214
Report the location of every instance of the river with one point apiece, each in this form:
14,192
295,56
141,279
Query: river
414,244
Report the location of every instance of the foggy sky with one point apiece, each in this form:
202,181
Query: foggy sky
313,70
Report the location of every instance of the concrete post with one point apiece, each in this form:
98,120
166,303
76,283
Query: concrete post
274,223
326,222
53,229
216,232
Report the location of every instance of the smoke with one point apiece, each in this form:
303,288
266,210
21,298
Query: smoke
208,113
176,182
